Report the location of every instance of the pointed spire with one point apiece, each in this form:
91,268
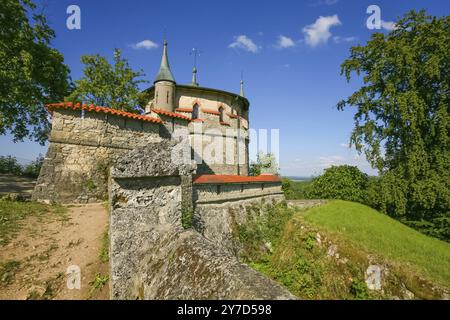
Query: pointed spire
164,73
241,93
194,77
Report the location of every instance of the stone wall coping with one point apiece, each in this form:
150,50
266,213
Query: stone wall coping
93,108
225,179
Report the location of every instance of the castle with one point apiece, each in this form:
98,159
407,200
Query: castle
173,214
85,140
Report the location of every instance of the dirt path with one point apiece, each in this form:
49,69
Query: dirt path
47,246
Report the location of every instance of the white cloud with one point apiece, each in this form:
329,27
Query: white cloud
344,145
245,43
145,44
284,42
388,25
328,161
319,31
339,39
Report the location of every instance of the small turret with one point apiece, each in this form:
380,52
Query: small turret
164,84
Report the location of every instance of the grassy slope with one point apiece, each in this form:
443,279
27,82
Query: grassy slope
384,236
12,214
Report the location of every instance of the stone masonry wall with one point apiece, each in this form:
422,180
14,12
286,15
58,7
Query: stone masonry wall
151,255
82,147
220,208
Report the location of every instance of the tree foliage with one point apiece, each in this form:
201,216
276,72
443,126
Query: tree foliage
103,84
31,72
10,165
265,163
340,182
402,120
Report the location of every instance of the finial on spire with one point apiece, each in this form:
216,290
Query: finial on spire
242,85
164,74
194,77
195,52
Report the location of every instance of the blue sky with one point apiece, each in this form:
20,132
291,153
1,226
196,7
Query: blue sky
290,53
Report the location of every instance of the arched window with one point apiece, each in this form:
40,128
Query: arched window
195,112
221,114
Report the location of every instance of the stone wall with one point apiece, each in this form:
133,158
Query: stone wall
221,208
82,147
151,255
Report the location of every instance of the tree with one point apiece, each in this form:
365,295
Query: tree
10,165
103,84
340,182
265,163
402,120
31,72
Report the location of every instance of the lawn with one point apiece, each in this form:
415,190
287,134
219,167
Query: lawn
384,236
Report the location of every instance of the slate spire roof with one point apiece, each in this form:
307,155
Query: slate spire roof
164,73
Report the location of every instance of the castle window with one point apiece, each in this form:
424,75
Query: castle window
195,111
221,114
167,97
156,97
219,189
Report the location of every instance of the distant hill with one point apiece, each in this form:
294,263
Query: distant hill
298,178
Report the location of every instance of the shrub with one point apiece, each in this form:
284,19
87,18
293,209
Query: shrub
34,168
295,190
9,164
340,182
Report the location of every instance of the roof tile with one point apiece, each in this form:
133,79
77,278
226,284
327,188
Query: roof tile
89,108
170,114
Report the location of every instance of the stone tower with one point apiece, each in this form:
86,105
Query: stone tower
165,84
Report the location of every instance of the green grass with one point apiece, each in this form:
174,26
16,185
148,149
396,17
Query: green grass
7,271
13,212
104,250
384,236
98,283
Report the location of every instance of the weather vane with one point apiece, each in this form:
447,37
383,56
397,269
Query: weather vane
196,53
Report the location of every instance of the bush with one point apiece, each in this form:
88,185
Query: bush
296,190
340,182
34,168
9,164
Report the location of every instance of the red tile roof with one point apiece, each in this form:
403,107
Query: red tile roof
217,178
170,114
232,116
78,106
198,120
225,123
183,110
210,111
